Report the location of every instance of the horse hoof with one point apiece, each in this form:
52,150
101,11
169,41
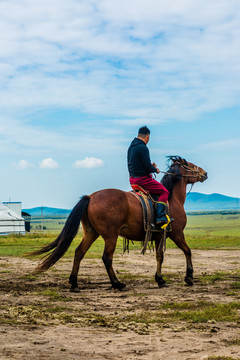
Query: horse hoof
188,281
75,289
120,286
163,285
160,281
125,288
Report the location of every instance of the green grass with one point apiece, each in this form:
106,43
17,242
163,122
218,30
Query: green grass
194,313
213,278
214,225
186,313
50,225
191,314
236,285
209,242
32,314
53,295
214,231
216,312
20,245
222,358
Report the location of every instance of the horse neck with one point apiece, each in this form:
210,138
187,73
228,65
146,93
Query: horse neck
180,191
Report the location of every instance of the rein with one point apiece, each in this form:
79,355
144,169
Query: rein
190,190
168,173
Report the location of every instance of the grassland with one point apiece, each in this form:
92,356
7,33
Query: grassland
218,224
200,321
210,231
213,231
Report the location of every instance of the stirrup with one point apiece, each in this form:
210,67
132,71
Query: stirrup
165,225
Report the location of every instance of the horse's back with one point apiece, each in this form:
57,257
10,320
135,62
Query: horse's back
114,211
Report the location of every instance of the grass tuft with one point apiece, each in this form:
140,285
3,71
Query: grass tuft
222,358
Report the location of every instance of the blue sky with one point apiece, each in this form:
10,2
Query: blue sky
78,78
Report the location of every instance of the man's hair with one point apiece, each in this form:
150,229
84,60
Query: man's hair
143,131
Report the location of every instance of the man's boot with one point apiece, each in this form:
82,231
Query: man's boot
161,217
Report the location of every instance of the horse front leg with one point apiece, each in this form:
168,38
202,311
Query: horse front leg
179,240
159,258
189,273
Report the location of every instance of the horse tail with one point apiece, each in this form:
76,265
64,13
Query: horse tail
64,239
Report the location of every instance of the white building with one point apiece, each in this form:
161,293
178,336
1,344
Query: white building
11,221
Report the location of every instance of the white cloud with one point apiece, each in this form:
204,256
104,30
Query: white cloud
88,163
23,164
17,136
137,60
224,145
48,163
120,57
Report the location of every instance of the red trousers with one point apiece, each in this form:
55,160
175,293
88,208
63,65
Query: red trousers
151,185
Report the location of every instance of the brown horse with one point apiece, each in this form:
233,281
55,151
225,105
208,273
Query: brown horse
113,212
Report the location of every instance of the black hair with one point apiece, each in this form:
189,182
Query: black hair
144,130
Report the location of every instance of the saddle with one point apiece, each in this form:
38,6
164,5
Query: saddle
148,202
148,207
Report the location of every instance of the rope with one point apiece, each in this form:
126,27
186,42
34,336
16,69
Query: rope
190,190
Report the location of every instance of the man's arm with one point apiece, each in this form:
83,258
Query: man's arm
148,166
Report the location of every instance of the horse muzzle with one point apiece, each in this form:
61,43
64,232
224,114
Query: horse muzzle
203,176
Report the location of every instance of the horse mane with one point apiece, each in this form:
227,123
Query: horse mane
174,175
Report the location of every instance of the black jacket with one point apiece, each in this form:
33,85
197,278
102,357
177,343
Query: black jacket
139,163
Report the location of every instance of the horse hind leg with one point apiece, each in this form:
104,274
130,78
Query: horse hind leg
88,239
110,245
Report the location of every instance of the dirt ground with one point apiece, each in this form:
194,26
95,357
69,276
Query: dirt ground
41,319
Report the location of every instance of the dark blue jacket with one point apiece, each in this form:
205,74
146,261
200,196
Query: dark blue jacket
139,163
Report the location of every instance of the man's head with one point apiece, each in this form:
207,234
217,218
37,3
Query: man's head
144,134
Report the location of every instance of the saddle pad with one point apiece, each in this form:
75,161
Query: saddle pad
147,210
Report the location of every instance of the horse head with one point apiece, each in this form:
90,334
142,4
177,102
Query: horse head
192,172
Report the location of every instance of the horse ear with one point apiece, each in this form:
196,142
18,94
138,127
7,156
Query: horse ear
176,158
181,160
169,161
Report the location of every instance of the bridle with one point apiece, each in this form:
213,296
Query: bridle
195,173
186,168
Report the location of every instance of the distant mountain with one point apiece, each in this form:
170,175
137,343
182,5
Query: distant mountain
198,201
47,211
194,202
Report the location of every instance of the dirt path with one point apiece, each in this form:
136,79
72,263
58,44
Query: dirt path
41,319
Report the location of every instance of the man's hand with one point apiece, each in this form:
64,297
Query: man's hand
155,165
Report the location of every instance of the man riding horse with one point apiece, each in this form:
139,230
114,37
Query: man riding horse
113,212
140,169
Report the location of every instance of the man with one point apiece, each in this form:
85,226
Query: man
140,169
